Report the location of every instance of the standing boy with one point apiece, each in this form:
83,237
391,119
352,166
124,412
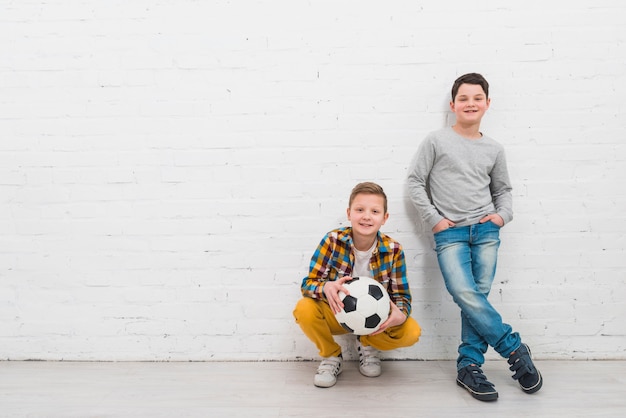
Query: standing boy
359,250
460,186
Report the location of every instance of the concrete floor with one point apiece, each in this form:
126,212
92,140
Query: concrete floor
285,389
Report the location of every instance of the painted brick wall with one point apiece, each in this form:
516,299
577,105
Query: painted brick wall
168,167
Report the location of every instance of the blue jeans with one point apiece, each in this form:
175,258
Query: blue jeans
467,258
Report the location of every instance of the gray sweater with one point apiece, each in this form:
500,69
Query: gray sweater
460,179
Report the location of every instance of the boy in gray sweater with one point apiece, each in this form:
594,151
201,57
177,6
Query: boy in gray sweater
460,186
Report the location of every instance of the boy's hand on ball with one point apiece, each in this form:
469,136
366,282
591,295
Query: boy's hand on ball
396,317
331,291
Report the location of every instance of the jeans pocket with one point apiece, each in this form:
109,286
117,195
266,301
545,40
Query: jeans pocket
495,224
441,238
442,231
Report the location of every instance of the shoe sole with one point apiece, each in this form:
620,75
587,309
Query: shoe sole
534,388
317,385
485,397
370,374
329,385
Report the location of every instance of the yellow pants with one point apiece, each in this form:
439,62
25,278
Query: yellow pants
318,322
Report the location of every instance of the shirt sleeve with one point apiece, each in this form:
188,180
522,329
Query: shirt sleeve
500,188
419,172
400,293
319,267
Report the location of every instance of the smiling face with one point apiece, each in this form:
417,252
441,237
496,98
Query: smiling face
470,104
366,214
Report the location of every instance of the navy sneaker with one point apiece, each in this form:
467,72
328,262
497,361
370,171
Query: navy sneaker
526,373
473,379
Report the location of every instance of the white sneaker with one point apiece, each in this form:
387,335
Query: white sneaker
327,372
369,363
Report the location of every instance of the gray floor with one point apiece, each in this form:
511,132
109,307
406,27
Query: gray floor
285,389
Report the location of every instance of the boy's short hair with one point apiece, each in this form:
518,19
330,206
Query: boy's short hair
368,188
470,78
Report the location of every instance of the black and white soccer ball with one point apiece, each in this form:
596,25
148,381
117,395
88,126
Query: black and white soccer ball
365,308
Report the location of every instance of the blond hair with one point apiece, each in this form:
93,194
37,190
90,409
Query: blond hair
368,188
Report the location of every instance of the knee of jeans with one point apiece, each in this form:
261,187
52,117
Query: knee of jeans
466,298
458,285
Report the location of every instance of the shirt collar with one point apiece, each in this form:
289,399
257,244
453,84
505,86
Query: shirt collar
345,235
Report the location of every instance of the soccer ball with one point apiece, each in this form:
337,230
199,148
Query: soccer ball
365,308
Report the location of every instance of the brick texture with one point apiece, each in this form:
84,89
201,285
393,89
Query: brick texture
167,168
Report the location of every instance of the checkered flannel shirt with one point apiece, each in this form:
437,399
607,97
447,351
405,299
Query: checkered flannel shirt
334,259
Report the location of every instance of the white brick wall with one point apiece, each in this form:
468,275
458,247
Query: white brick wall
167,168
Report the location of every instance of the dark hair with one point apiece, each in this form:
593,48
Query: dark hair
471,78
368,188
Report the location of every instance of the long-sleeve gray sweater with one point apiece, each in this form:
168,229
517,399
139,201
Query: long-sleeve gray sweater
460,179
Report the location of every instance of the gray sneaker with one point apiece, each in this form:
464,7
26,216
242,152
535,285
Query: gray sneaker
369,363
327,372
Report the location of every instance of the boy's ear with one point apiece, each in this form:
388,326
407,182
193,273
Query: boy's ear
386,217
348,213
452,105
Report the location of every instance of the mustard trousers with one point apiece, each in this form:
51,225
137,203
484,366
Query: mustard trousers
318,322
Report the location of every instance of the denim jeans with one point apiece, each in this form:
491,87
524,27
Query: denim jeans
467,258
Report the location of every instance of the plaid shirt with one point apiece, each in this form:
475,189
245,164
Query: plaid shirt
334,259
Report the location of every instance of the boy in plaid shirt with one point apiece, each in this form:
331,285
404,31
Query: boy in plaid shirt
358,250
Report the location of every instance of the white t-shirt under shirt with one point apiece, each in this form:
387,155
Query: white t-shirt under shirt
362,262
